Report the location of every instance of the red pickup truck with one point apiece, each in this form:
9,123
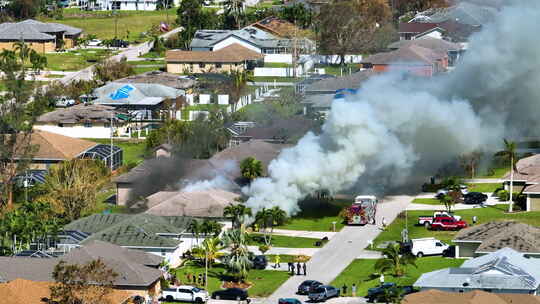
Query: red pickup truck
447,223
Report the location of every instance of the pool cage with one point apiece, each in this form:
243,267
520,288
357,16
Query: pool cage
103,152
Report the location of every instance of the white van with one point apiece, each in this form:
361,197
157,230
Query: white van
427,246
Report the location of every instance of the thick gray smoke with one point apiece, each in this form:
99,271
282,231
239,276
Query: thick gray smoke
396,127
220,178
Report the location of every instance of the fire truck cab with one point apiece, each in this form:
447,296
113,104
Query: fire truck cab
362,211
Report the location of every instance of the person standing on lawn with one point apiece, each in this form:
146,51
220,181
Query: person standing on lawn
298,268
276,261
344,290
304,268
353,289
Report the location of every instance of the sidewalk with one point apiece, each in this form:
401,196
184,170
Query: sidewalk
307,234
286,251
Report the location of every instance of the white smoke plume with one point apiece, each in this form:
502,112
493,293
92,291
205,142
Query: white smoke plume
220,179
397,126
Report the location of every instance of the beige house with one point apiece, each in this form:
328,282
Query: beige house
39,36
228,59
526,181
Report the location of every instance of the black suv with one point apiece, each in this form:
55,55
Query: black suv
308,286
379,293
259,262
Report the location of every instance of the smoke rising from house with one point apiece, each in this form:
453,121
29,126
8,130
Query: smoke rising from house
397,126
220,178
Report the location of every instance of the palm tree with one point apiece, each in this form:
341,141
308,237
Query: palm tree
237,260
509,154
251,168
269,218
195,227
447,201
238,86
38,62
237,212
23,50
209,251
210,227
393,261
236,9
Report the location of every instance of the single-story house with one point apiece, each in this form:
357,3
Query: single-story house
163,150
83,121
164,236
275,26
40,36
163,78
453,50
432,296
415,60
137,271
492,236
502,271
141,100
280,131
53,148
526,180
231,58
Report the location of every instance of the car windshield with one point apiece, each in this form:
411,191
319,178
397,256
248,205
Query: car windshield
195,289
386,285
319,290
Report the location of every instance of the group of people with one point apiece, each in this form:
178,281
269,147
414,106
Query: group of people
193,278
299,268
344,290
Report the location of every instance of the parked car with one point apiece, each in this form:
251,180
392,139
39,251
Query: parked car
185,294
447,223
450,252
259,262
443,192
94,42
323,293
308,286
119,43
289,301
426,220
474,198
64,102
378,293
230,294
427,246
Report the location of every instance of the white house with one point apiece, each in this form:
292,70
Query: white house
126,5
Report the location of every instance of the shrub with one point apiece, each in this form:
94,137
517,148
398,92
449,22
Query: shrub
503,195
264,248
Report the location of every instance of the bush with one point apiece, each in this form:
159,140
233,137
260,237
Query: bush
503,195
264,248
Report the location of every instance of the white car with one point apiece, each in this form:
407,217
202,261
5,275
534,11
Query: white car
94,42
442,192
427,246
184,294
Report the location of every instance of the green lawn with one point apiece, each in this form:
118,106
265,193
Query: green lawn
490,213
338,70
153,54
277,65
140,70
277,79
283,241
133,150
102,24
75,60
147,62
494,172
362,273
317,215
488,188
426,201
264,281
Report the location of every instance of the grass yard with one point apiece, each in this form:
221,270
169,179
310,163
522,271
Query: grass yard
140,70
75,60
147,62
102,24
484,187
427,201
265,282
317,215
256,239
362,273
277,79
490,213
133,150
494,172
338,70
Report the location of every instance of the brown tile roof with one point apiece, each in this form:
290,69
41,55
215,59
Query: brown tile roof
496,235
207,203
474,297
232,53
22,291
412,54
276,26
159,77
434,44
80,113
416,27
58,147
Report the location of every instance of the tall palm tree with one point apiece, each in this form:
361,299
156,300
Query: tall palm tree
209,250
251,168
236,9
509,154
236,212
210,227
394,262
238,86
237,261
23,50
195,228
268,219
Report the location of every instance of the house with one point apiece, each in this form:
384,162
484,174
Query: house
283,130
84,121
502,271
137,271
233,57
453,50
129,5
33,292
143,101
492,236
275,26
162,78
413,59
163,150
40,36
526,180
164,236
54,148
473,297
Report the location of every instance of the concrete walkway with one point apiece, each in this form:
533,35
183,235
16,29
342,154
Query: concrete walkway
483,181
307,234
286,251
492,200
327,263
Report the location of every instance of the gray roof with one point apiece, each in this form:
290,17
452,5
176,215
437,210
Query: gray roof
130,265
34,30
116,94
319,101
435,44
352,81
141,230
159,77
503,269
79,114
464,12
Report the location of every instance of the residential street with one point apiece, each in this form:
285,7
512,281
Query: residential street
347,245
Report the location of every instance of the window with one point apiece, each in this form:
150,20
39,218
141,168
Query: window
61,125
218,65
87,124
202,65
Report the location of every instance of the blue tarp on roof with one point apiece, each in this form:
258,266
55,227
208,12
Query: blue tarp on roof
122,93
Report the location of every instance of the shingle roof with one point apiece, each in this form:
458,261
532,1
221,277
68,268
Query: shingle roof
206,203
474,297
416,27
438,45
412,54
280,129
464,12
159,77
276,26
139,230
352,81
34,30
232,53
80,113
58,147
116,93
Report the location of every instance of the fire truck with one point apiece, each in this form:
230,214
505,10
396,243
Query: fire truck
362,211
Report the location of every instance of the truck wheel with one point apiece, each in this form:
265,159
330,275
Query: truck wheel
238,299
218,297
427,225
420,254
198,300
169,298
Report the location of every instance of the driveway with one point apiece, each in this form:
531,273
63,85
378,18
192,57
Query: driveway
492,200
347,245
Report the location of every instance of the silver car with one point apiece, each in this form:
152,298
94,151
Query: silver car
323,293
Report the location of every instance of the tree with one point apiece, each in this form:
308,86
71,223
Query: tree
210,227
110,70
25,9
191,18
349,26
86,283
509,154
20,106
72,186
38,62
267,219
237,212
297,14
470,161
238,86
237,261
209,250
235,8
448,201
251,168
394,262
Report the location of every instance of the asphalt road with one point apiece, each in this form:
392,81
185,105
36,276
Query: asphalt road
327,263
